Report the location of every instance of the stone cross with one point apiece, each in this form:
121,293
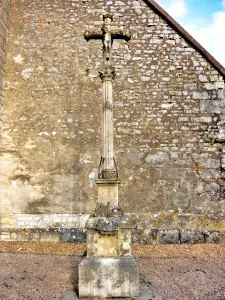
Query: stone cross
107,34
109,270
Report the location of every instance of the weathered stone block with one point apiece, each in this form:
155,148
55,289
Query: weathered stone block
221,94
214,78
145,293
24,234
198,237
219,85
144,236
65,236
209,86
185,236
192,237
49,237
158,159
35,236
108,277
75,235
200,95
207,223
109,245
212,237
203,78
13,236
8,222
5,236
168,237
187,222
108,192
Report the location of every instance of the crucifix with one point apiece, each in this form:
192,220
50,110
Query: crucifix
109,270
107,34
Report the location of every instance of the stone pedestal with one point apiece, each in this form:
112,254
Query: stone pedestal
109,270
109,236
108,277
109,245
108,192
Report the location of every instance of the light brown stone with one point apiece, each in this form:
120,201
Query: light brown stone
108,245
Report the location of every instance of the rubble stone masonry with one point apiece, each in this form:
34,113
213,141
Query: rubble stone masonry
169,113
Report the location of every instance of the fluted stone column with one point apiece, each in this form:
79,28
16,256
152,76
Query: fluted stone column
108,123
108,169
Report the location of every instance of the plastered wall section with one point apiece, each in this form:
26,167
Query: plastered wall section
4,25
168,113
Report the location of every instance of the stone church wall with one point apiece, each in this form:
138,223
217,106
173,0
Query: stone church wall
4,25
168,114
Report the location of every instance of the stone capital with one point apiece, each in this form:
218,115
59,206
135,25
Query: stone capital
107,16
107,73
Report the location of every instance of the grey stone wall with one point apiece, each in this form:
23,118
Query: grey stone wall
169,113
146,228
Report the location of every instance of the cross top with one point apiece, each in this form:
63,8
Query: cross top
107,34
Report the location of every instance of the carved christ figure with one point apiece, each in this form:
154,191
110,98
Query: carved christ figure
107,44
107,34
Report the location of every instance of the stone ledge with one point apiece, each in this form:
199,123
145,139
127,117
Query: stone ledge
160,220
149,229
71,235
139,236
164,236
44,221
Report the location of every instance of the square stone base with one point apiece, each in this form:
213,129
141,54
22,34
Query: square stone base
108,277
145,294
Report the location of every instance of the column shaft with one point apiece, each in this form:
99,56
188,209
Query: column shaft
108,125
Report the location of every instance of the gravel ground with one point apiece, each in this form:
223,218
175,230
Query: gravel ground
185,278
38,276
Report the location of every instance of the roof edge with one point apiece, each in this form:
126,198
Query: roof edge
174,24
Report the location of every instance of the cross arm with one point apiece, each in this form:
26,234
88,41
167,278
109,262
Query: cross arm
93,35
99,35
120,34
